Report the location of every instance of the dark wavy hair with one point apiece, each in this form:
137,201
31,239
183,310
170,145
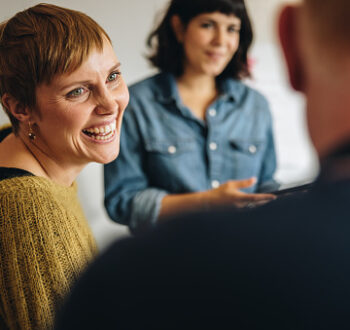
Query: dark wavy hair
167,53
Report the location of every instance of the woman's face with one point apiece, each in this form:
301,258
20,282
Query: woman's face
210,40
78,115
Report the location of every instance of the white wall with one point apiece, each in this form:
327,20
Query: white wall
128,23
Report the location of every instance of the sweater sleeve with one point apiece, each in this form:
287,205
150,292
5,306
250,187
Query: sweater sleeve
38,261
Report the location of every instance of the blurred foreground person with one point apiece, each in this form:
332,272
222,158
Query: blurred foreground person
61,87
282,266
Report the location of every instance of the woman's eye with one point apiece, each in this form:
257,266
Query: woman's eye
76,92
233,29
206,25
113,76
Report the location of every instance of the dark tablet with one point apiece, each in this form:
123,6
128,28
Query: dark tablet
293,189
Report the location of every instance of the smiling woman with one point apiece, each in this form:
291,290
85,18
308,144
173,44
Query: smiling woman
61,86
194,136
88,103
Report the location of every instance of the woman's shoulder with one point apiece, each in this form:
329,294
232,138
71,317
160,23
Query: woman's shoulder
20,184
32,198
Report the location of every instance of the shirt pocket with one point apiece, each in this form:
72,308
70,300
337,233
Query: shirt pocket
171,162
247,157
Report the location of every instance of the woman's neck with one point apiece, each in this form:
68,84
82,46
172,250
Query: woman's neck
197,92
23,154
197,82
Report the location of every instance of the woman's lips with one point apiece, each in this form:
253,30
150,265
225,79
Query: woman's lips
214,55
103,132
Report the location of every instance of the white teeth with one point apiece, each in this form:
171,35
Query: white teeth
103,132
103,137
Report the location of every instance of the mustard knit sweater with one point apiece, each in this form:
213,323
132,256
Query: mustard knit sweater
45,243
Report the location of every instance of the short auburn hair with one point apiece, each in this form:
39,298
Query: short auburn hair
40,42
167,53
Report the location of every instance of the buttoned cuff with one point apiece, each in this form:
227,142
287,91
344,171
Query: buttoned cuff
145,209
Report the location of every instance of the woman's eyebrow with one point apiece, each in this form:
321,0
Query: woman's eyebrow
86,82
115,66
211,20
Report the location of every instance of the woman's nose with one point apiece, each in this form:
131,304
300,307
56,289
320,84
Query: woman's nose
106,103
219,37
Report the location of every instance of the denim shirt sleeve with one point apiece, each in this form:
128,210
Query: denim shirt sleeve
266,178
128,198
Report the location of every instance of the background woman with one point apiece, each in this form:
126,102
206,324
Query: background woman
193,135
60,85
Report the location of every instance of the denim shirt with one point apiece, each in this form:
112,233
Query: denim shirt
165,149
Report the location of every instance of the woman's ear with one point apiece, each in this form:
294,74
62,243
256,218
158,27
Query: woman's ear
178,28
291,46
16,108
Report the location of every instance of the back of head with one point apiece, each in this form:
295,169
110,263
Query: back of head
167,52
40,42
330,22
315,37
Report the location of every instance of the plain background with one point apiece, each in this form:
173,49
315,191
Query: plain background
128,23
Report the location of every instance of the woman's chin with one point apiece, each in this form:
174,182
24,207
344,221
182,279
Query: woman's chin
104,156
108,156
102,151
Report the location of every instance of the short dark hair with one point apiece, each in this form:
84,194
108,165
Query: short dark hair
167,53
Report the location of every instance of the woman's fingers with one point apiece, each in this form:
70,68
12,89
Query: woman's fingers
230,193
257,197
241,184
252,200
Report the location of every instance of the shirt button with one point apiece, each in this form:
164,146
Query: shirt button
252,149
212,112
215,183
171,149
213,146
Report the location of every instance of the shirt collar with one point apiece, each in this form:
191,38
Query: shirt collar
167,90
167,93
230,89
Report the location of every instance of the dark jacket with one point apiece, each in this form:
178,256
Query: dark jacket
285,265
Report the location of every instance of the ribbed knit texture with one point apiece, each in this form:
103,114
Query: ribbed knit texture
45,243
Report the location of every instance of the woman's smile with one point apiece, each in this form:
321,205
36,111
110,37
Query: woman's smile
215,56
101,133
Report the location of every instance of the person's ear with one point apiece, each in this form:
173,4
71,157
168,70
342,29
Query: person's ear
178,28
16,108
287,29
